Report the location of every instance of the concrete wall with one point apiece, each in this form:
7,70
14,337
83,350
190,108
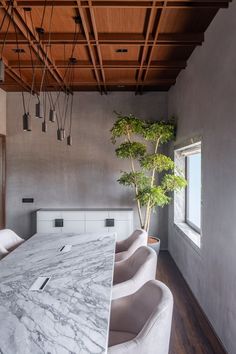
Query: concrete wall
3,99
83,175
204,100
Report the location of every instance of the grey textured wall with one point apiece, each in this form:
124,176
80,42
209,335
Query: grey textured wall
3,100
204,99
83,175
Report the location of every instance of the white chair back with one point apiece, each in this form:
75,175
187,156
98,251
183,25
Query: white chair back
132,273
141,323
9,239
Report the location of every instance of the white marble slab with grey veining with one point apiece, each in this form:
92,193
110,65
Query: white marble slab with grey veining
71,315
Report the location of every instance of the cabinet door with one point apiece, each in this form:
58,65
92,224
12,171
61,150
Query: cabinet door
122,228
74,226
73,215
96,226
96,215
47,226
49,215
121,215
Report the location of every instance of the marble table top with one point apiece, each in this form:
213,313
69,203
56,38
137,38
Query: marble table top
71,314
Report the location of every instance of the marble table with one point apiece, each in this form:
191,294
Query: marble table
71,314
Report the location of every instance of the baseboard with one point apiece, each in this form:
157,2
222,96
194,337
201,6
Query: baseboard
200,307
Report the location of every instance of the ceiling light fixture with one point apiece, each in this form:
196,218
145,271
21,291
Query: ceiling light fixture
121,50
27,125
39,110
2,71
18,50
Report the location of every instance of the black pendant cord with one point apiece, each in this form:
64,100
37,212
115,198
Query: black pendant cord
70,114
76,34
66,109
19,63
49,40
4,16
45,107
32,64
35,35
8,25
44,10
71,111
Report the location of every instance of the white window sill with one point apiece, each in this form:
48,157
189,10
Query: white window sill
193,236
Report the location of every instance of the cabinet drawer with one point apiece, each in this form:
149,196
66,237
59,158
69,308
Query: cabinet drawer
120,215
75,226
122,228
73,215
47,226
96,215
52,215
96,226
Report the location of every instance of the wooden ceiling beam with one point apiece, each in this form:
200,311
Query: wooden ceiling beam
126,4
162,81
87,35
95,32
150,52
107,64
163,39
20,79
144,48
38,49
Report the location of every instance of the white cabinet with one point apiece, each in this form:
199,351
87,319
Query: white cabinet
86,221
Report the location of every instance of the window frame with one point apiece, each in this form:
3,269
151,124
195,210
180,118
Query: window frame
187,221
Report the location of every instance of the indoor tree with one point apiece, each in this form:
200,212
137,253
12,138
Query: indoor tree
152,174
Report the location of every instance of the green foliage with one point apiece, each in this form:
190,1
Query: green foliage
134,178
161,131
126,125
154,196
173,182
157,162
131,150
149,193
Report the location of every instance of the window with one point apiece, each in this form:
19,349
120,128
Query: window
193,191
187,203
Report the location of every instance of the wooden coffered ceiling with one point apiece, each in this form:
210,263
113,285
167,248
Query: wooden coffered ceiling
130,45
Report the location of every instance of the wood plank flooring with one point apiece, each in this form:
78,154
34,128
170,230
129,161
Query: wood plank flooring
191,331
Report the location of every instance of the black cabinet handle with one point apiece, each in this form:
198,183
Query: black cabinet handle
110,222
59,222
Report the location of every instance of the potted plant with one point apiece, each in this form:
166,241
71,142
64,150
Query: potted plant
152,175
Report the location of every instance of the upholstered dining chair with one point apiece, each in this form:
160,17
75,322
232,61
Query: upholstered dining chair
127,247
141,323
132,273
3,252
9,239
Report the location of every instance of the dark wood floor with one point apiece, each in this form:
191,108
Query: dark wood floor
191,332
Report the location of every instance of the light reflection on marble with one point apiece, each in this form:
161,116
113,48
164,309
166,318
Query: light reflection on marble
71,315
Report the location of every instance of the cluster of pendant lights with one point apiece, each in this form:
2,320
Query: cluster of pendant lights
55,107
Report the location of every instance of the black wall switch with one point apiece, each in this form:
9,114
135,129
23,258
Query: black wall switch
110,222
59,222
27,200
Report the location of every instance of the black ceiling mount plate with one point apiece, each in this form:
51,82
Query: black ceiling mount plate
40,30
18,50
78,19
73,60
